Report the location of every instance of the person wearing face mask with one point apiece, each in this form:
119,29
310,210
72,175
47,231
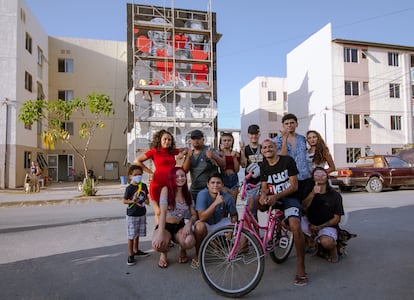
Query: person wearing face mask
135,196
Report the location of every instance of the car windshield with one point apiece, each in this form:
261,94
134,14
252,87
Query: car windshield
395,162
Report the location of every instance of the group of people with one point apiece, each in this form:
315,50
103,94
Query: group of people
290,169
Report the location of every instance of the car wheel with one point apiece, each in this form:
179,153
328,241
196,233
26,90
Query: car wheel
374,185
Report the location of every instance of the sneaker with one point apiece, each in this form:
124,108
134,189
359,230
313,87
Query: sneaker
141,253
131,260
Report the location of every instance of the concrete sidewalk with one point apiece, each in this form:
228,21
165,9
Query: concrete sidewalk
62,192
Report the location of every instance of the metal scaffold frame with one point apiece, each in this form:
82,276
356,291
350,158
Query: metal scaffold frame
173,76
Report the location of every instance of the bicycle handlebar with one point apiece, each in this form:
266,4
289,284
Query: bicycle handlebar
248,176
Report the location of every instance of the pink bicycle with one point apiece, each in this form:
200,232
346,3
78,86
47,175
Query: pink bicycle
232,257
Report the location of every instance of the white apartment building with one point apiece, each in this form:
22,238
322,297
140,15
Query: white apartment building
358,95
263,101
36,66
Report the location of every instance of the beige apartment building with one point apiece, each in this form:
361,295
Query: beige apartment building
165,80
36,66
358,95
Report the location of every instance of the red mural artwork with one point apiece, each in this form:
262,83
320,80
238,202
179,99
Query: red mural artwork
160,44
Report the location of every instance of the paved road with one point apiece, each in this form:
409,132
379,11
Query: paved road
83,257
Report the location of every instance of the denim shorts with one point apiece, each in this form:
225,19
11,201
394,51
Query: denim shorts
231,181
291,207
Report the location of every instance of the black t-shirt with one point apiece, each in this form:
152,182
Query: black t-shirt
253,155
277,176
324,206
138,208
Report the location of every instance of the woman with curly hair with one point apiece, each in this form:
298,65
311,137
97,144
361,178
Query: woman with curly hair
163,154
318,152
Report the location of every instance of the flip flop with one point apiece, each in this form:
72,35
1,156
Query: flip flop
332,259
301,280
162,264
195,264
182,259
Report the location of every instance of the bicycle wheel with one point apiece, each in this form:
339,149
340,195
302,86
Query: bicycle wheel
231,278
282,244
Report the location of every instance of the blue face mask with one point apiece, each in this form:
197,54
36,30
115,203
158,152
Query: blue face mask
137,178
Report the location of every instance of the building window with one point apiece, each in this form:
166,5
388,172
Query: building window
352,154
68,126
396,150
394,90
39,56
272,116
352,121
366,120
272,135
364,53
393,59
22,15
395,122
28,43
351,88
27,159
351,55
66,95
28,84
365,86
40,93
271,96
264,84
65,65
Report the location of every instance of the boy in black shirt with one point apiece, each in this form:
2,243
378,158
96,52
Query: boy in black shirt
135,196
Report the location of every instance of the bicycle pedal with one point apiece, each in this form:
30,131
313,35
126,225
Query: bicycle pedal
283,242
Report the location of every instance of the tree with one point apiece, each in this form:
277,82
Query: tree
55,114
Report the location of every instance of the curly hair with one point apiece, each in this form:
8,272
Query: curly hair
172,188
156,140
321,150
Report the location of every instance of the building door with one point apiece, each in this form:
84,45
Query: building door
63,168
52,161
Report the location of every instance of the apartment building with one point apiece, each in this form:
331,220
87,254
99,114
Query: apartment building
36,66
358,95
23,75
263,101
166,80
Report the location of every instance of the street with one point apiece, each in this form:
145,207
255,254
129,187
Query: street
78,251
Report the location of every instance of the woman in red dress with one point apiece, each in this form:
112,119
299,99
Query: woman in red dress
162,153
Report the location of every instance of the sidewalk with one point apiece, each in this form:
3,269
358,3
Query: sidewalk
62,192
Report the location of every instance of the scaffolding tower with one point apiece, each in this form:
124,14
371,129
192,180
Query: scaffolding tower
172,67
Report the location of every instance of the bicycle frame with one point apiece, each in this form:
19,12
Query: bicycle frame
249,222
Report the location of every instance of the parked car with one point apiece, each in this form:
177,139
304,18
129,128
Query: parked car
375,173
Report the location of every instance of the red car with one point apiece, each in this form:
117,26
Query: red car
375,173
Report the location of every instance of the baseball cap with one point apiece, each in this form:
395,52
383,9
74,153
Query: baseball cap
196,134
253,129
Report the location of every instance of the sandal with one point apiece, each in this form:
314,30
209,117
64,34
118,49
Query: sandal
162,264
332,259
182,259
195,264
301,280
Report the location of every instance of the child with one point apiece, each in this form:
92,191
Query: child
135,197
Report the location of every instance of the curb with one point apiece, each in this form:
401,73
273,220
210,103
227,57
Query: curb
80,200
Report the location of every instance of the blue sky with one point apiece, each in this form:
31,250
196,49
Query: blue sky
257,35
